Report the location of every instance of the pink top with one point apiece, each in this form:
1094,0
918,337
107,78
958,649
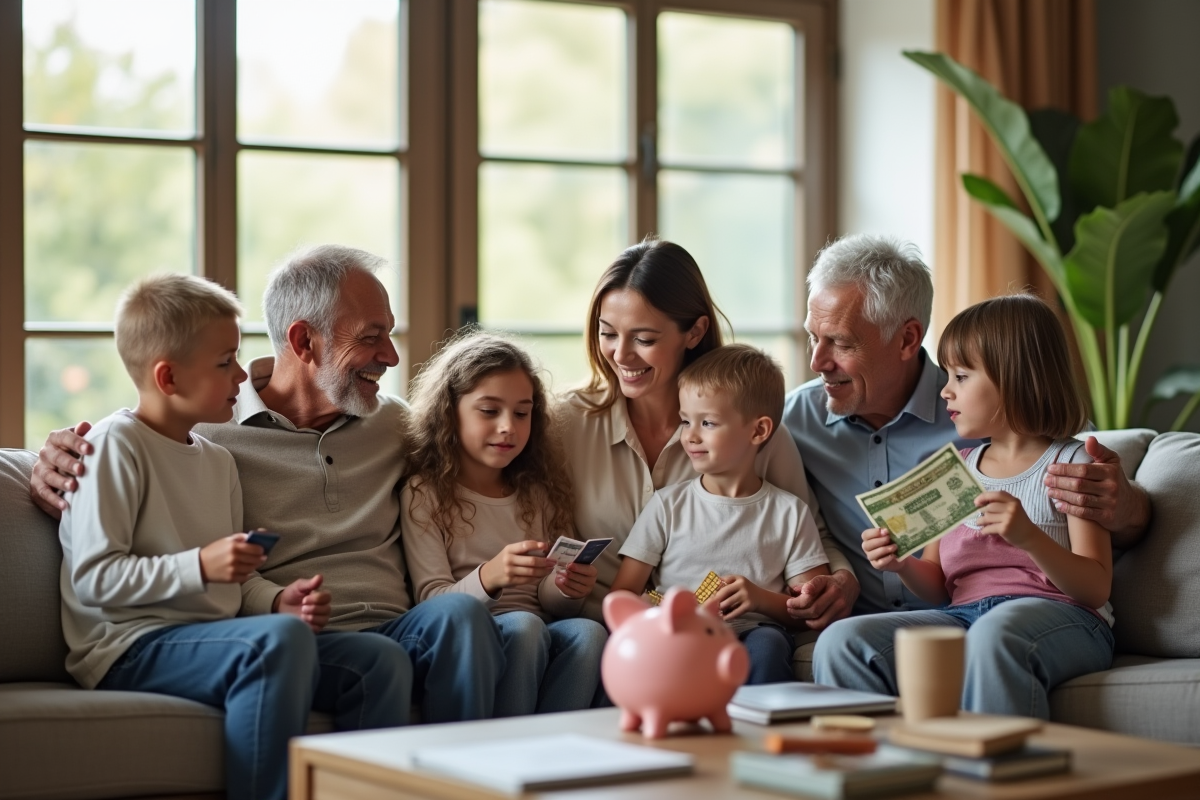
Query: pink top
979,565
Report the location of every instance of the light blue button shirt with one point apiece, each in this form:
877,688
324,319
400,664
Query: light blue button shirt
843,456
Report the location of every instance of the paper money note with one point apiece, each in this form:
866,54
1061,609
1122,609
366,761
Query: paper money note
925,503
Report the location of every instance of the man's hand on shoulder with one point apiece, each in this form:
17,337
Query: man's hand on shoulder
303,598
57,467
824,599
1100,492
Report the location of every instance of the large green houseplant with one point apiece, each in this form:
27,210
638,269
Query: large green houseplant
1114,210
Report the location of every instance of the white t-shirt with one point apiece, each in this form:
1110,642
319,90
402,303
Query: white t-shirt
613,481
439,564
685,532
131,540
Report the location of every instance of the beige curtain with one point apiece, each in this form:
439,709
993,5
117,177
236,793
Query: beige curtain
1038,53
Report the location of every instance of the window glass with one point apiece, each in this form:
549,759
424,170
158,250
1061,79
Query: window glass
738,228
320,73
288,200
111,64
725,91
546,234
551,80
98,216
68,380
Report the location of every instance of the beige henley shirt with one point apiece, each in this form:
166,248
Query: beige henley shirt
332,496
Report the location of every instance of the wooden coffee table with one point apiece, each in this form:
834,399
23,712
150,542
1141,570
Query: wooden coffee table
375,765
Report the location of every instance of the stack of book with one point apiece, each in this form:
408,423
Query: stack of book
766,703
983,747
885,772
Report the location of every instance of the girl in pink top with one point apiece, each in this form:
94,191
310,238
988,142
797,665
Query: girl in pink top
1029,583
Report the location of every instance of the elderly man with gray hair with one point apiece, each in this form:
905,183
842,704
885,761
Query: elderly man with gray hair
320,460
874,413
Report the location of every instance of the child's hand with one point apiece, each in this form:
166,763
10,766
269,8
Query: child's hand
576,580
880,550
511,567
738,596
1003,515
230,560
300,598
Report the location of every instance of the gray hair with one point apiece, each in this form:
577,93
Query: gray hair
306,288
895,282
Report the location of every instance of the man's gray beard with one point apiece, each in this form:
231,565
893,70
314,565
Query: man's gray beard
342,391
849,407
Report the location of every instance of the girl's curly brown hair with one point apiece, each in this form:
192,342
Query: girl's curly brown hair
538,475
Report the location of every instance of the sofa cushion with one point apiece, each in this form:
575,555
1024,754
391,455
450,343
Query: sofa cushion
1130,444
1139,696
1156,585
30,557
61,741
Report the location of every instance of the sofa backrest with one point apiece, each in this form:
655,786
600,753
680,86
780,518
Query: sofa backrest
1129,443
1156,584
31,639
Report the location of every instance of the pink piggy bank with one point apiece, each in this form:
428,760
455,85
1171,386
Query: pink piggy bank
676,662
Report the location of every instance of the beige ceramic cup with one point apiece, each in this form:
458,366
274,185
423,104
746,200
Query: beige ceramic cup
929,671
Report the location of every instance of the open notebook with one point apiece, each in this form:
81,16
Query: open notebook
550,762
776,702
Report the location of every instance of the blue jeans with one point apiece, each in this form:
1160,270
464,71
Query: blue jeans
261,670
1018,650
771,649
456,656
552,666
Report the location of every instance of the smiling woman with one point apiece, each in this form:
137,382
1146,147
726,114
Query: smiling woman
650,315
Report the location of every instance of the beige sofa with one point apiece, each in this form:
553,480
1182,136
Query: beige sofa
60,741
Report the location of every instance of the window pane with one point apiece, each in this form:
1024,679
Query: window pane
288,200
68,380
562,359
545,235
316,72
97,216
739,229
725,91
551,80
126,64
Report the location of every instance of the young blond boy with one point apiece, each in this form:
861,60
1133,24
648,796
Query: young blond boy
152,556
758,538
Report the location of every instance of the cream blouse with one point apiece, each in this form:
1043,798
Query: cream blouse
613,483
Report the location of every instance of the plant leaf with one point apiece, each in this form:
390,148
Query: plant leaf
1189,175
1183,223
1129,150
1002,207
1176,381
1055,131
1115,255
1009,128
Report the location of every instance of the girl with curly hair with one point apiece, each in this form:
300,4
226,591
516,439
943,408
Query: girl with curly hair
486,494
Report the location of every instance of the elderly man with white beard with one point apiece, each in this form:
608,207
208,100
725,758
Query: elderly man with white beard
319,455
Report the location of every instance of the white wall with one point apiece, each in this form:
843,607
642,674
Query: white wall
886,121
1151,45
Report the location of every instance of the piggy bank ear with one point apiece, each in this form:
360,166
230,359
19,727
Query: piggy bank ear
678,604
712,606
620,606
733,664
